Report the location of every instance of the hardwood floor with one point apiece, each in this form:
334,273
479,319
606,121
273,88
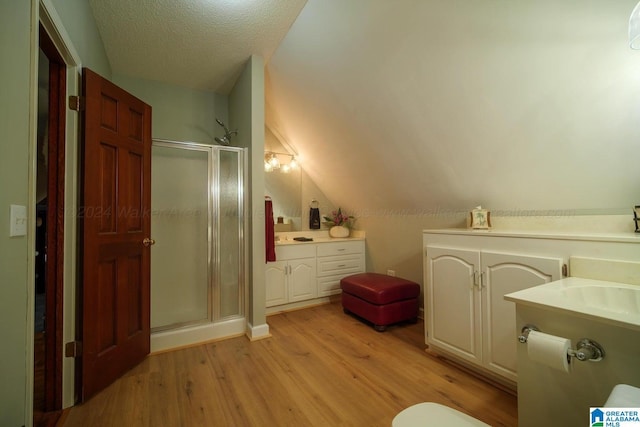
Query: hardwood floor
320,368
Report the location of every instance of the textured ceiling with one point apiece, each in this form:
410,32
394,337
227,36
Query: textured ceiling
200,44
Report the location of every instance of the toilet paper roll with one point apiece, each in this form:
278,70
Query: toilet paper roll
549,350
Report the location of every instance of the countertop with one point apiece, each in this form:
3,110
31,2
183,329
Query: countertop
318,236
629,237
318,240
608,302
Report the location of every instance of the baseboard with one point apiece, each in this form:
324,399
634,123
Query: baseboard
301,304
257,332
197,334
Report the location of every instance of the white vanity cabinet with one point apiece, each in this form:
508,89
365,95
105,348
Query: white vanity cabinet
293,277
335,261
304,273
466,314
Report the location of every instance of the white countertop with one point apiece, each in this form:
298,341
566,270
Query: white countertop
318,236
608,302
629,237
318,240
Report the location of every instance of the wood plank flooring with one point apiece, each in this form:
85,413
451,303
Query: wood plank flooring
320,368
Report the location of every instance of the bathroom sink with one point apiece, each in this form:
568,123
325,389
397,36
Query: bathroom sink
609,302
624,396
618,298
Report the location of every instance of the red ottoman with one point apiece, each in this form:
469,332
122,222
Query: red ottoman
380,299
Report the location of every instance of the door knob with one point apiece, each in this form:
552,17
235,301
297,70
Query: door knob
148,242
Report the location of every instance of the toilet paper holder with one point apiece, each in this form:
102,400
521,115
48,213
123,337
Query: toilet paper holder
524,333
586,349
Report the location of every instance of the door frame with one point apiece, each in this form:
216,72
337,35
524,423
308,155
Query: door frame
54,286
44,13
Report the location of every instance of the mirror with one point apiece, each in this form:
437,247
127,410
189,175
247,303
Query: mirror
285,189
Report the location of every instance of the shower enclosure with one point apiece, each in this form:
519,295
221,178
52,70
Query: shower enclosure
198,261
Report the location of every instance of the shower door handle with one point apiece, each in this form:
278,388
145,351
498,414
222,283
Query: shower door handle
148,242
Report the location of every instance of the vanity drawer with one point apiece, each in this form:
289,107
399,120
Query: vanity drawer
340,248
342,265
295,251
329,285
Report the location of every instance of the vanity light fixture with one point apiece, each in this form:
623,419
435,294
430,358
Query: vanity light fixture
274,161
283,162
293,163
634,28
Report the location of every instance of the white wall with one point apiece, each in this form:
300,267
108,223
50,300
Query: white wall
77,18
246,113
432,104
410,113
179,114
17,136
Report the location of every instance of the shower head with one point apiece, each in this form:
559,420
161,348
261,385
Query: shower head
226,139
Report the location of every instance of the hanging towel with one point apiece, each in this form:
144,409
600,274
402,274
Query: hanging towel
270,239
314,219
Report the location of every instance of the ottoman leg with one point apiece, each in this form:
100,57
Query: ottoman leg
380,328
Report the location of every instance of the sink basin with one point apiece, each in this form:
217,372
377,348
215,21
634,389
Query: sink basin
618,298
624,396
610,302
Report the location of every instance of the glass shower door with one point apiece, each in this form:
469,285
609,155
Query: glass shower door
229,242
197,263
180,223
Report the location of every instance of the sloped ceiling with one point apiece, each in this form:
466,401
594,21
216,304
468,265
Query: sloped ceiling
419,106
414,106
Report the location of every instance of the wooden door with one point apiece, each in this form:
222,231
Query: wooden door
115,218
505,273
454,320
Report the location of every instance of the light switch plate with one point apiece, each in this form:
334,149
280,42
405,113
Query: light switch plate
18,226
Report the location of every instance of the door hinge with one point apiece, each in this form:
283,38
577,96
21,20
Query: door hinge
76,103
73,349
565,270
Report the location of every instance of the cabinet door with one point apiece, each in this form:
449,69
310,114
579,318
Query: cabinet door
502,274
276,283
454,320
302,279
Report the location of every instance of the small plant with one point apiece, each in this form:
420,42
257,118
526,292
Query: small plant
338,218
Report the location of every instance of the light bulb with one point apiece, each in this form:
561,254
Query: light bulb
267,167
294,163
274,162
285,168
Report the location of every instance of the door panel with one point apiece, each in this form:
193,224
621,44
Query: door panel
115,213
277,291
503,274
454,322
302,279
